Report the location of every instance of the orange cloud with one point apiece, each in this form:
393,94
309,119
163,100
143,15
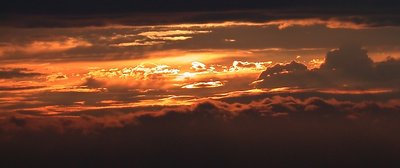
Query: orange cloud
239,65
56,77
211,84
36,47
331,23
137,43
142,72
171,33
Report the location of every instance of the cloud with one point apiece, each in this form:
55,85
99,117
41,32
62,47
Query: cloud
346,67
171,35
160,37
239,65
138,43
198,66
285,68
221,111
263,132
19,88
125,43
142,71
56,77
330,23
38,47
11,73
351,60
211,84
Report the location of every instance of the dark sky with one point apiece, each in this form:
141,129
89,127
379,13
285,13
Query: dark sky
77,13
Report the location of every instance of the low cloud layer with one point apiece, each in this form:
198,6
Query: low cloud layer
346,67
261,132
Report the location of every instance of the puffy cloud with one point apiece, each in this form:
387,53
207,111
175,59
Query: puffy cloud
346,67
238,65
292,67
142,71
351,60
198,66
211,84
270,108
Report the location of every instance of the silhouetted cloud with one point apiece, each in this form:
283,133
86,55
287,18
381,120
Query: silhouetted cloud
16,88
346,67
255,133
9,73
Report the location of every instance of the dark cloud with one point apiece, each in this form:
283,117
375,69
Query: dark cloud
278,69
17,88
346,67
10,73
349,60
273,131
305,41
94,13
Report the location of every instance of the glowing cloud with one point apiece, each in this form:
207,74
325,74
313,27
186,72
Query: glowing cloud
331,23
137,43
142,72
171,34
212,84
36,47
238,65
198,66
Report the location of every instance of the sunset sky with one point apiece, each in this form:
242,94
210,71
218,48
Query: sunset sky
97,79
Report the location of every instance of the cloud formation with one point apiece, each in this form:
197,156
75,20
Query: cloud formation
235,133
40,47
10,73
346,67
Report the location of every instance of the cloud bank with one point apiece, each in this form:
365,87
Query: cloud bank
346,67
272,131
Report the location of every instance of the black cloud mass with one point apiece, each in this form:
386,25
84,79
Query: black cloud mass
347,67
272,130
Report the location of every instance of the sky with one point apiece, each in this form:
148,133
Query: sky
199,83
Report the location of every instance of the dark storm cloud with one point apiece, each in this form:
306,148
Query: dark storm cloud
99,13
346,67
10,73
273,131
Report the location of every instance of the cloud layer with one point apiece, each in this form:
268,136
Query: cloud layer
10,73
271,131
